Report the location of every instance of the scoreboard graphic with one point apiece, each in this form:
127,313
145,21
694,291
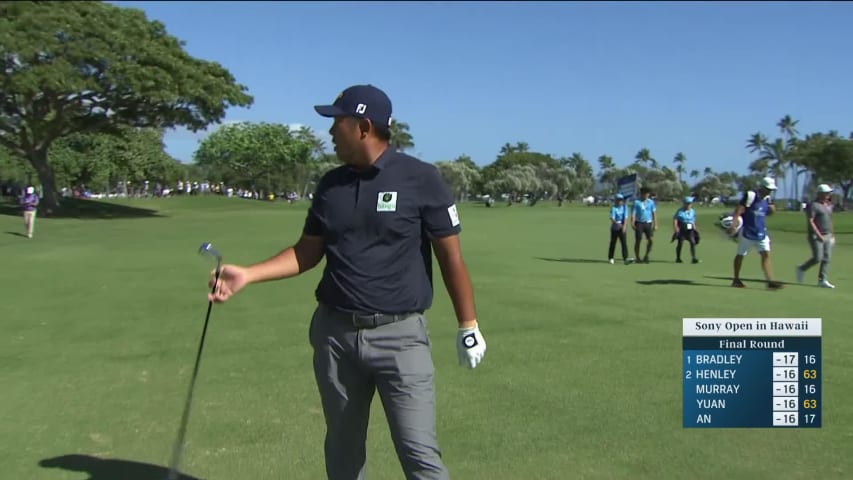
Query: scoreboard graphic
751,372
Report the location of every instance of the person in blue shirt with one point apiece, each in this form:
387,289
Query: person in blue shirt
684,229
753,208
618,224
644,221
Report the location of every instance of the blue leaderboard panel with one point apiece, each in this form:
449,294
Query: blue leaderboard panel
751,372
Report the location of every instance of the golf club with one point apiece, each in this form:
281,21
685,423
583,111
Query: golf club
208,250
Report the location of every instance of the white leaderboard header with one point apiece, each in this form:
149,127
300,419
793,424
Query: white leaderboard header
751,327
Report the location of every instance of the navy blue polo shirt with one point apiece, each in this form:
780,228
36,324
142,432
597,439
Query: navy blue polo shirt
376,226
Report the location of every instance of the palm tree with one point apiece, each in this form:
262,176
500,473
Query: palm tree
584,177
756,142
401,139
708,171
679,161
788,127
694,173
608,172
775,154
507,148
645,157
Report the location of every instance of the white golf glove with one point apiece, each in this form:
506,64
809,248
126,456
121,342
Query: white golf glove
471,346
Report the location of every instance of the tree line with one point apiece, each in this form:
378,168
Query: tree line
89,93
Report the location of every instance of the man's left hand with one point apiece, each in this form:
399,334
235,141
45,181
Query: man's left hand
470,346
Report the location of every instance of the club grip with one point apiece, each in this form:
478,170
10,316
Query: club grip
216,279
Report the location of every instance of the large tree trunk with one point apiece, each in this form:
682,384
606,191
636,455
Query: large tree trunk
49,203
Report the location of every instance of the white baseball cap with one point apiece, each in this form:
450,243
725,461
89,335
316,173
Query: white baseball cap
768,183
824,188
30,190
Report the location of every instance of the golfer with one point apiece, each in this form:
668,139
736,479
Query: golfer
684,229
29,203
376,219
644,221
754,207
618,224
821,236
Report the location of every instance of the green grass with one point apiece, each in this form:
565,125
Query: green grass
582,378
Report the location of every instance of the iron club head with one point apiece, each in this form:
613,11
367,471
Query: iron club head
208,249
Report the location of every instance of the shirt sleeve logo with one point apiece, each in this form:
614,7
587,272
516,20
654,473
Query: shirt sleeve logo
386,202
453,214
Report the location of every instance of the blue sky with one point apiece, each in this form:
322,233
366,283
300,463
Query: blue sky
595,78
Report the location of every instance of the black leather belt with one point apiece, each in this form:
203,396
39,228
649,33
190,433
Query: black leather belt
370,320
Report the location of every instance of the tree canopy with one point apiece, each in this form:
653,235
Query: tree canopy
71,67
263,156
829,158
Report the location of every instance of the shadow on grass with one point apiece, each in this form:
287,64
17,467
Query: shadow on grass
747,280
17,234
592,260
571,260
676,281
85,209
110,469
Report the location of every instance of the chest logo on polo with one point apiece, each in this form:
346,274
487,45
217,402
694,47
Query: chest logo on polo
386,202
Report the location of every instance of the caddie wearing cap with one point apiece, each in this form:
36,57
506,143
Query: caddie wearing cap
684,229
618,225
754,207
644,220
821,236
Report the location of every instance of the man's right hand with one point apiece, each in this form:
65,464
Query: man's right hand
732,229
232,279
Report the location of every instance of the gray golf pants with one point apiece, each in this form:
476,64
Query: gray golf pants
821,254
350,364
